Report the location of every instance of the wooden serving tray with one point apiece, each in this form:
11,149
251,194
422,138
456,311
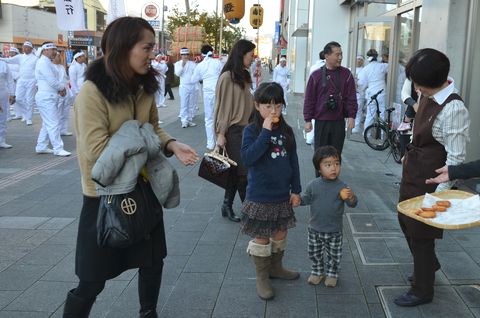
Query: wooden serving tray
408,207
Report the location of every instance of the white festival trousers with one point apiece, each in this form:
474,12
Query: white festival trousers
187,94
47,104
3,114
209,106
25,98
160,94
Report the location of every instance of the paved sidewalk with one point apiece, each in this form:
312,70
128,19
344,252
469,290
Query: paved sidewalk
207,272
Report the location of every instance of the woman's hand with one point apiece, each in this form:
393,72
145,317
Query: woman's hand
184,153
441,178
221,140
295,199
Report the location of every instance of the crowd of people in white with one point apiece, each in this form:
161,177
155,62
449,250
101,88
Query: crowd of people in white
40,79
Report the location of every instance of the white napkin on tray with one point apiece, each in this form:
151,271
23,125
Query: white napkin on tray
462,211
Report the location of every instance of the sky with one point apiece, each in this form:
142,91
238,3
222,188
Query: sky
271,11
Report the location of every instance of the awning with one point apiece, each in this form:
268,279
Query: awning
302,31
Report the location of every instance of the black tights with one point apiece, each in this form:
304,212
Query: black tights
90,290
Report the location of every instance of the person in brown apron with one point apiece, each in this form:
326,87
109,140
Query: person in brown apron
428,69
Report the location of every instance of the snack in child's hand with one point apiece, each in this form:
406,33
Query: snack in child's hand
428,214
439,208
344,193
445,203
275,120
428,209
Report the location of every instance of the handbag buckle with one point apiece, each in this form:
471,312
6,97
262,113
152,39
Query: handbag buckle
129,206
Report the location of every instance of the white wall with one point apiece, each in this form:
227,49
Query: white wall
30,23
298,46
444,28
328,21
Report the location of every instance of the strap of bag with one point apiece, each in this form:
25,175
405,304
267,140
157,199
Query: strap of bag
221,156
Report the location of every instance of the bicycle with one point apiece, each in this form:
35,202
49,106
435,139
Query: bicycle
380,135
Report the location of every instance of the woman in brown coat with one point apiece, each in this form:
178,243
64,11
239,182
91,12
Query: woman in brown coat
233,107
119,87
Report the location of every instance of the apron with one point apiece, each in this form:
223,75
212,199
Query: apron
423,156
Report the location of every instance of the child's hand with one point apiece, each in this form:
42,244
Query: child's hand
295,200
267,122
347,194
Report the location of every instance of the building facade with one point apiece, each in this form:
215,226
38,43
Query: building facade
396,29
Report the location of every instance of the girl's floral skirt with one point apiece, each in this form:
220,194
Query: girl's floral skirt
265,219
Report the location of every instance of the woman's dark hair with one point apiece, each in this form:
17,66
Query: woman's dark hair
118,40
428,67
321,55
328,49
234,64
266,93
323,153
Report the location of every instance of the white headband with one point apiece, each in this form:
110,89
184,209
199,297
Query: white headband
184,51
283,59
14,49
209,53
159,55
47,46
78,55
28,43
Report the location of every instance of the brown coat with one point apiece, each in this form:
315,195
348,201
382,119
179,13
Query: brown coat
96,120
233,105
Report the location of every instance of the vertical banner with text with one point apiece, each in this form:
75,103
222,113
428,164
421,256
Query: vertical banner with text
116,9
70,15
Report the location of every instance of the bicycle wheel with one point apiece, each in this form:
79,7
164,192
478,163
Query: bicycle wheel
396,147
376,136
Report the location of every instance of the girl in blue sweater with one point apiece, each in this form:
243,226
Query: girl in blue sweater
269,152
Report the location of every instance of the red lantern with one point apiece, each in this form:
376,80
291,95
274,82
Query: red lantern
256,16
234,10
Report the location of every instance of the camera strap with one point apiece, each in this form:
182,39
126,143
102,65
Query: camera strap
337,79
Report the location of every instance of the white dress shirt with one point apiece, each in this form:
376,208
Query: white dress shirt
76,73
47,77
450,128
185,72
208,70
27,64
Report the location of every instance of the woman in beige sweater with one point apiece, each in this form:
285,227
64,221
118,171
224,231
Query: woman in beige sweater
119,87
233,107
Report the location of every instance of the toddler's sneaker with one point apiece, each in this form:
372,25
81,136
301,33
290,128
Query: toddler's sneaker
330,282
314,279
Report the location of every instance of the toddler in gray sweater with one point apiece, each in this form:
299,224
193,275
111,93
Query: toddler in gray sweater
326,196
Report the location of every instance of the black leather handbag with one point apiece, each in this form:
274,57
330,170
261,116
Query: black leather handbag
216,167
126,219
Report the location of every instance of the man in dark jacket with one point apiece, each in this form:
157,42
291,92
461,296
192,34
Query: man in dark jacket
330,97
169,79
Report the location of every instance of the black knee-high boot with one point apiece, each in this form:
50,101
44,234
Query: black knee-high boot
230,191
149,282
77,307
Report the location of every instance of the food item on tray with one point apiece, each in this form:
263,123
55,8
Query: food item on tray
428,214
428,209
439,208
445,203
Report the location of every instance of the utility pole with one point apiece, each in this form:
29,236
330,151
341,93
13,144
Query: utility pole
187,7
221,30
162,40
